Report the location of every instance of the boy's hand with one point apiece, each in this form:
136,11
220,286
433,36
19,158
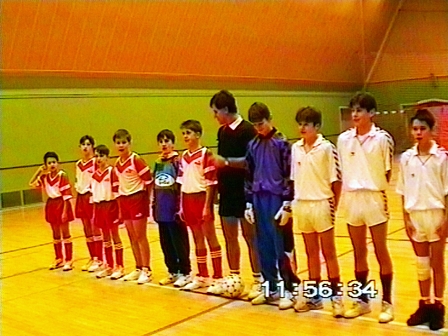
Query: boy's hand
179,216
442,230
42,169
207,215
219,161
284,214
249,213
64,217
410,228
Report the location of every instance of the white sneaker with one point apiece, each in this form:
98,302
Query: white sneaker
117,273
104,273
198,282
260,299
387,312
303,305
338,306
216,287
183,280
359,308
85,267
171,278
255,290
145,276
58,263
95,266
134,275
68,266
287,301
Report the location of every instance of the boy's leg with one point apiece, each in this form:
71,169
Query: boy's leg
167,245
312,249
288,267
250,236
329,251
142,240
97,242
134,243
118,245
68,246
88,232
438,266
230,229
200,249
108,250
179,237
57,245
358,239
208,228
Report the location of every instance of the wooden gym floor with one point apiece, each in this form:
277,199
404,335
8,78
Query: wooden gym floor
36,301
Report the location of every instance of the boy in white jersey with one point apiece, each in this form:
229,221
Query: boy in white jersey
104,186
58,210
197,177
423,184
317,186
134,180
366,153
85,168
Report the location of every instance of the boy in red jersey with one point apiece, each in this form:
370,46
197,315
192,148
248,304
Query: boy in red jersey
134,179
106,213
58,210
83,207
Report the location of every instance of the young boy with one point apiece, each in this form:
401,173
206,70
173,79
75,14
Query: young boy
233,137
106,213
269,192
197,176
366,153
85,167
423,184
134,179
317,185
58,210
173,232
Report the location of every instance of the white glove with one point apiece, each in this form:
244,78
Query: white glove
249,213
284,214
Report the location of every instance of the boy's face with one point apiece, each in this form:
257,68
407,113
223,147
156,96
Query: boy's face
263,127
123,146
86,147
166,145
52,164
101,159
308,129
361,117
421,131
190,137
220,114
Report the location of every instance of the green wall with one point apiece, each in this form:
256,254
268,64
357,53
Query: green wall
36,121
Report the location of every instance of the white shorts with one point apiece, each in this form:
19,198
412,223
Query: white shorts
313,216
365,207
426,223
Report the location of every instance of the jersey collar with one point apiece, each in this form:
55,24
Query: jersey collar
432,150
236,122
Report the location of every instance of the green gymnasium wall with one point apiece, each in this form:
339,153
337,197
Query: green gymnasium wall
36,121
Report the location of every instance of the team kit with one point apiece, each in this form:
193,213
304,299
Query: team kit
269,188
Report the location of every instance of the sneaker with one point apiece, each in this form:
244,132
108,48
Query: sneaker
58,263
95,266
104,273
302,306
421,315
68,266
86,267
134,275
338,306
260,299
198,282
359,308
117,273
255,290
183,280
145,276
286,302
171,278
216,287
387,312
436,319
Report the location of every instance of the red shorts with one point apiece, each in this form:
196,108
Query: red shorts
135,206
193,207
83,207
106,214
54,208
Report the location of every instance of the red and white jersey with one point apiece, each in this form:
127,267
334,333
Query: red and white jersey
102,185
423,180
133,175
84,172
56,186
196,171
365,160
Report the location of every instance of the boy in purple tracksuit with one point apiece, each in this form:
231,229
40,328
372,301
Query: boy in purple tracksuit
269,193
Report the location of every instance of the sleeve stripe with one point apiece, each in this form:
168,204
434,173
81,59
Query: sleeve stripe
143,171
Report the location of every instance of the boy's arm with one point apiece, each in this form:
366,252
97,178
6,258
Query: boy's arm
34,181
234,162
336,174
288,193
248,182
211,181
65,188
336,187
388,148
410,229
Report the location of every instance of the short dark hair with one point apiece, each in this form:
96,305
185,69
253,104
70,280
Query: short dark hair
224,99
87,137
192,125
259,111
50,155
309,114
424,115
166,133
364,100
122,134
102,150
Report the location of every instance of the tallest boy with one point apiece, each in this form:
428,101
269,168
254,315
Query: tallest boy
233,137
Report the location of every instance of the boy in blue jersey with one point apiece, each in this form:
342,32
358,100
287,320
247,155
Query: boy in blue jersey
173,232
